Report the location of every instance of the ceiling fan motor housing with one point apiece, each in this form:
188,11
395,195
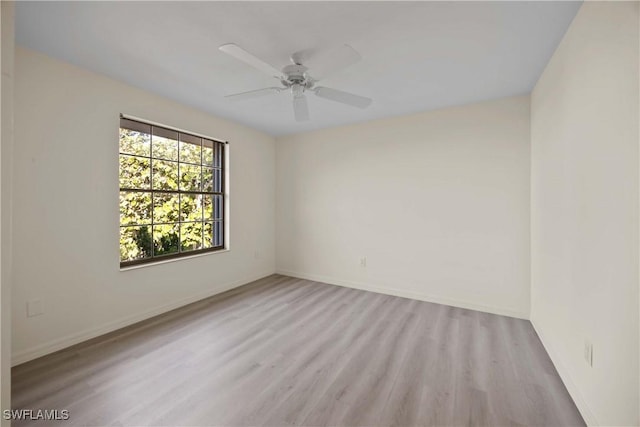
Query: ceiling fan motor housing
295,76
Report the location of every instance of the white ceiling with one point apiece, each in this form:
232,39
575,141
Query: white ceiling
416,55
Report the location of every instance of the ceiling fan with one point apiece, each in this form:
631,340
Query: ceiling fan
300,79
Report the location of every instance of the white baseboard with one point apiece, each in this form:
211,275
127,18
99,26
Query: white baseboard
406,294
87,334
573,390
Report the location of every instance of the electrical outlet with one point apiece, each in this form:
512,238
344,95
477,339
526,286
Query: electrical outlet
34,308
256,254
363,261
588,352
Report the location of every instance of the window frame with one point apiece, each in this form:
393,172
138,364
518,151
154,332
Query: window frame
222,194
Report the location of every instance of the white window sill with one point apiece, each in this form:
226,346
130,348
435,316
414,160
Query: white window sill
166,261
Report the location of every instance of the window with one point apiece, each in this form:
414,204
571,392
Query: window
171,193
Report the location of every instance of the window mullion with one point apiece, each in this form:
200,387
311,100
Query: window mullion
179,198
153,195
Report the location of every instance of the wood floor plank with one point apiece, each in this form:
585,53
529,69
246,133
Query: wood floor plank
289,352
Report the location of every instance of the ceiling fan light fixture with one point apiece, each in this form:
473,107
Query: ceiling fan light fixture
297,89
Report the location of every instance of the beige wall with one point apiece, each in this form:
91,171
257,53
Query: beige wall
585,189
66,208
437,202
6,143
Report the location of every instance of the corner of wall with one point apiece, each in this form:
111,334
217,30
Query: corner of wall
7,13
569,383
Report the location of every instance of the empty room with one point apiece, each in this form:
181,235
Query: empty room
320,213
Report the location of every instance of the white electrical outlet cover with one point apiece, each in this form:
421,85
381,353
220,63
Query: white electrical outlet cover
34,308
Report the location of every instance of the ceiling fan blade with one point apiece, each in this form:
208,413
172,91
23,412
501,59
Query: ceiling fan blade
326,63
244,56
343,97
300,108
254,93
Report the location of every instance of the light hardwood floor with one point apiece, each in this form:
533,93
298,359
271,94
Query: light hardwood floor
284,351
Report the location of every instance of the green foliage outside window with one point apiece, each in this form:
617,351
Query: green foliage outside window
170,192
